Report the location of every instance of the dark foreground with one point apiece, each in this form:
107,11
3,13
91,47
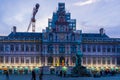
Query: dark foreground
53,77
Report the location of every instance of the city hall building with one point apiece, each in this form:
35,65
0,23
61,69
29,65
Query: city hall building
58,45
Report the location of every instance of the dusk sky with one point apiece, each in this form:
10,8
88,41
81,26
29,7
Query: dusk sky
91,15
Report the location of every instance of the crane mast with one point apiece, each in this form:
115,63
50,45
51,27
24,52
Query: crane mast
33,20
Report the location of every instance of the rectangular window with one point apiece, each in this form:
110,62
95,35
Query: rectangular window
27,61
94,60
27,48
37,48
118,49
11,47
62,49
17,60
84,48
17,48
1,48
94,48
37,59
6,59
104,49
103,60
113,60
22,48
84,60
22,59
108,60
7,49
98,49
32,59
88,49
113,49
89,60
32,48
12,59
108,49
99,60
1,59
118,60
73,49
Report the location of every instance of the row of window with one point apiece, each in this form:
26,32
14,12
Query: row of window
61,49
98,60
72,38
19,59
22,48
85,60
99,48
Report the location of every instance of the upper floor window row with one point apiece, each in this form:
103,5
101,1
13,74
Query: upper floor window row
21,48
98,48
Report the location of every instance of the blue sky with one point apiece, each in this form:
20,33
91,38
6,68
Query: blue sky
90,15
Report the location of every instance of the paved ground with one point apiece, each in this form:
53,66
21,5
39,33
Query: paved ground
52,77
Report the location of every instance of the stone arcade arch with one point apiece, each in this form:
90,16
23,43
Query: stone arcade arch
50,61
62,60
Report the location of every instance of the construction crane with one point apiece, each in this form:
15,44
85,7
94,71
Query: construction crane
32,21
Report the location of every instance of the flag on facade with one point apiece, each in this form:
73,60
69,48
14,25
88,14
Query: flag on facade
63,64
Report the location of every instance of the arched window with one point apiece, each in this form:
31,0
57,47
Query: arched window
62,60
61,49
16,59
73,59
50,60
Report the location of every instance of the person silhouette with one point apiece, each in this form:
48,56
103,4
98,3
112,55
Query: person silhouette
7,75
33,75
41,74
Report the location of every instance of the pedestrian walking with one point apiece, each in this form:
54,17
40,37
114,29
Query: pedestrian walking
33,75
7,75
41,74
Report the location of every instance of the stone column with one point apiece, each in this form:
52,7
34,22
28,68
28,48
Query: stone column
54,60
69,49
45,61
34,60
3,59
115,61
91,60
69,61
14,60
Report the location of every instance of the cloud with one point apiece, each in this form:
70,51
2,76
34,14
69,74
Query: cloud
85,2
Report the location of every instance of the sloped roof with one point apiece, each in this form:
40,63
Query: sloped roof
24,34
94,35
